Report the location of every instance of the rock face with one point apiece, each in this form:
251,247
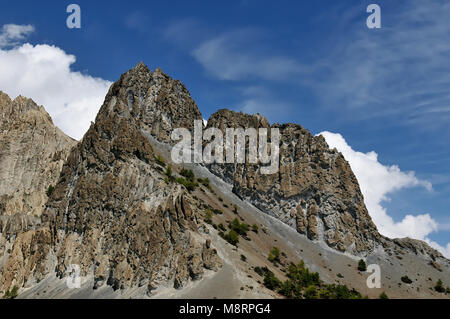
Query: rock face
314,191
158,103
112,212
115,213
32,153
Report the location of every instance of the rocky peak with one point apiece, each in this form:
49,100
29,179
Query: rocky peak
314,191
225,118
32,152
113,212
157,103
23,110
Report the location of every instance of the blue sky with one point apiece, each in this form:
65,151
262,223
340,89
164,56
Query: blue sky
314,63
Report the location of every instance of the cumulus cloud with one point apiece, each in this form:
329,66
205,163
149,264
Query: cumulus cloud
377,181
11,33
445,250
43,73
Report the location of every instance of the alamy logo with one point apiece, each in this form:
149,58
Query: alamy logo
374,280
374,20
73,21
260,151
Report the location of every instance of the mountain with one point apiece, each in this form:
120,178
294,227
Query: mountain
32,153
111,211
136,224
314,190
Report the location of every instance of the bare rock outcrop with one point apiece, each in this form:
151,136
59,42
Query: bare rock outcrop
112,212
116,215
314,191
32,153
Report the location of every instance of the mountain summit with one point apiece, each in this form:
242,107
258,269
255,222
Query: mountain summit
134,224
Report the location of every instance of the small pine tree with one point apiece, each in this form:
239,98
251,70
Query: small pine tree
232,237
11,294
406,280
274,255
208,216
439,286
50,190
169,171
384,296
362,265
310,293
271,282
160,161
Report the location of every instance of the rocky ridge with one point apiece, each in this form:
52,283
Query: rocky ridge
112,212
115,213
32,153
314,191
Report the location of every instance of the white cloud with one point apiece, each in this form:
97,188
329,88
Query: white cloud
239,55
11,33
377,181
43,73
444,250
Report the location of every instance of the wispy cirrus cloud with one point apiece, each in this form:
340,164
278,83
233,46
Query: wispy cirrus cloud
400,70
241,54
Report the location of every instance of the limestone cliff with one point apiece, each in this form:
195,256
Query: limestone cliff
32,153
116,213
112,211
314,191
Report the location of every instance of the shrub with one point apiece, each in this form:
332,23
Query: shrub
271,282
343,292
384,296
235,210
190,185
243,258
274,255
188,174
50,190
160,161
340,275
221,227
255,228
439,286
169,172
406,280
240,228
232,237
208,216
302,283
301,276
261,270
11,294
310,293
362,265
287,289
